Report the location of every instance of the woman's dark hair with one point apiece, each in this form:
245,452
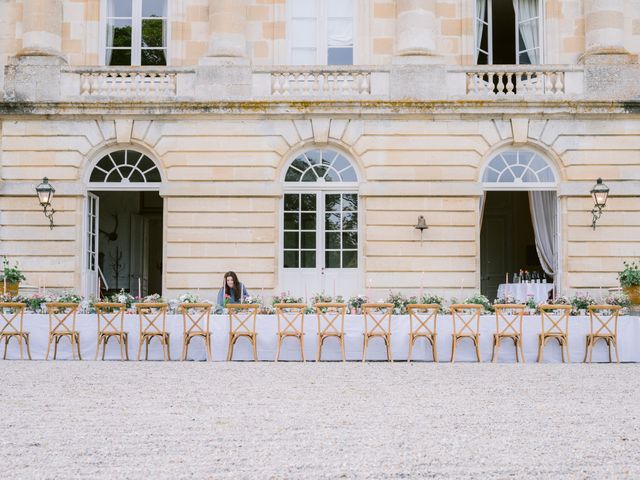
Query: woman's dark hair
237,293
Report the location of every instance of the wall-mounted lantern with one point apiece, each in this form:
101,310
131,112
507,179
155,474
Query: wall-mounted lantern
45,193
600,193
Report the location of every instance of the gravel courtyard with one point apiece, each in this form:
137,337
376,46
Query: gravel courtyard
290,420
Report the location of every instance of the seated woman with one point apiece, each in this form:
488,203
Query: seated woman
233,291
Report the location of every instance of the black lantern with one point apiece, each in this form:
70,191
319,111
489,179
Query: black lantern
600,193
45,193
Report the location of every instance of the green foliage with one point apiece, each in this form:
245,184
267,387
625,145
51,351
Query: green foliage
11,274
630,275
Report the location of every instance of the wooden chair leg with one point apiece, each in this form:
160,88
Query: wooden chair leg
46,357
541,343
98,347
586,348
168,340
302,348
609,346
55,348
476,341
184,343
255,348
141,340
230,348
566,344
104,350
454,343
387,341
26,342
434,348
78,345
319,349
496,344
22,354
364,348
185,348
344,357
6,344
146,346
278,348
521,349
615,344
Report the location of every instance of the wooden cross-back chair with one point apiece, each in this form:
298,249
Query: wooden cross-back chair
423,322
330,324
196,318
153,322
62,323
377,324
11,318
242,324
111,325
466,324
603,325
555,324
508,326
290,324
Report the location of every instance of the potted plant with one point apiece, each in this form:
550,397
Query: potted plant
11,277
630,281
580,302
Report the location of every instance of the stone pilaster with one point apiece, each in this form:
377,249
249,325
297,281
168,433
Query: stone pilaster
41,28
416,30
227,25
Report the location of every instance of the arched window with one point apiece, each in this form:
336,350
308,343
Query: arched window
320,245
125,166
521,167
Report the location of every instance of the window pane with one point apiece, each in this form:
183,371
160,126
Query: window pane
118,57
153,33
304,8
308,259
303,33
292,175
339,8
332,240
310,176
119,33
308,202
153,57
340,32
332,259
349,175
154,8
350,202
350,240
332,202
119,8
308,240
340,56
349,221
291,259
306,56
332,221
308,221
291,221
291,201
291,239
350,259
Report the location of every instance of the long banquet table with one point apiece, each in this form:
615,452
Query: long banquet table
86,324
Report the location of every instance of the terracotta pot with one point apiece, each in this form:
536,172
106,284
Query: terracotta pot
633,293
12,288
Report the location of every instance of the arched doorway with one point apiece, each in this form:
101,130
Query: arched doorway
519,225
320,238
123,240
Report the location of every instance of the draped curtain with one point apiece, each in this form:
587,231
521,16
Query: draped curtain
543,206
481,9
527,10
111,12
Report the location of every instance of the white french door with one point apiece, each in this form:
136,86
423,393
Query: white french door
320,244
92,272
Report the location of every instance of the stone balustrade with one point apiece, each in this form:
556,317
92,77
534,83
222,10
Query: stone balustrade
317,82
521,80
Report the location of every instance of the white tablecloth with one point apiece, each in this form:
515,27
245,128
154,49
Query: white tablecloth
628,333
521,291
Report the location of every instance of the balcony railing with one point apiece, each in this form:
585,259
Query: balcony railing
521,80
317,82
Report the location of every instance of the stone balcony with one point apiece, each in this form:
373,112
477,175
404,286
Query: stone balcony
45,80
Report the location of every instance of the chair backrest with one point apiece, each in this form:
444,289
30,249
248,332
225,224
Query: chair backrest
11,316
509,318
466,318
423,318
328,315
555,319
108,316
195,317
242,318
62,317
153,317
601,318
377,318
290,317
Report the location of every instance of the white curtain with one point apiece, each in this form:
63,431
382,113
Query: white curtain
111,11
481,10
543,207
528,10
340,23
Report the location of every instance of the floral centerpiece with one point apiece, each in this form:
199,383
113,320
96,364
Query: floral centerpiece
285,297
580,302
35,302
630,281
321,298
399,302
506,300
531,304
68,297
11,277
356,303
479,299
620,299
153,298
122,297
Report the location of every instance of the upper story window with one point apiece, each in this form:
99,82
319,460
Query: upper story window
508,32
136,32
321,32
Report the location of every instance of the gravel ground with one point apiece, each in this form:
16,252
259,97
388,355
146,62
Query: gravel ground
330,420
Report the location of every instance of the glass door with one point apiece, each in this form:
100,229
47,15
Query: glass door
91,286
